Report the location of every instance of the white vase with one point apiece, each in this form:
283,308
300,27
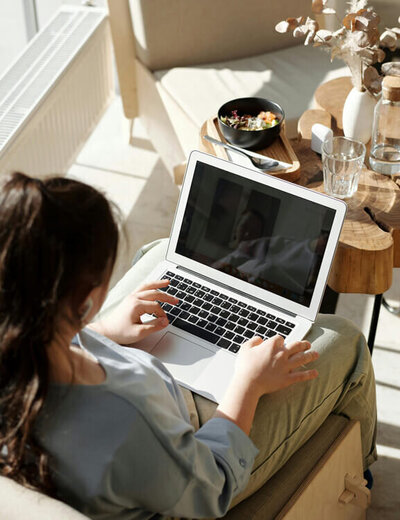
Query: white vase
358,115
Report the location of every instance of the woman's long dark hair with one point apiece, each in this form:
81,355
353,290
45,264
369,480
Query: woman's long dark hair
58,239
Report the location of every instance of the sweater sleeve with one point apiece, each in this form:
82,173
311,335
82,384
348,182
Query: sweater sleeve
180,473
227,460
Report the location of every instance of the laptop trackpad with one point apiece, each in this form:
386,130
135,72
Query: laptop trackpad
183,358
203,371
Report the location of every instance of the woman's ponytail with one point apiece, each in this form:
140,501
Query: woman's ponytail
57,238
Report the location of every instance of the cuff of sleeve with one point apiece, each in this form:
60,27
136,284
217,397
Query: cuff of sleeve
230,444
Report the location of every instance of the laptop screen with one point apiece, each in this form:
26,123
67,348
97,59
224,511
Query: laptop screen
257,233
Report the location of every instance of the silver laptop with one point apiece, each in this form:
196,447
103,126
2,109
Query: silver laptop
249,254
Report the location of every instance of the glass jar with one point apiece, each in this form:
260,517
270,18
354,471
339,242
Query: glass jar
385,146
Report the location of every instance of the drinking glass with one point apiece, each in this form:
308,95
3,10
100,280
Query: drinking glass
342,161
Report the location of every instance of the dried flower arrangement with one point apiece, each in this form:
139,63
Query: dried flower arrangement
357,42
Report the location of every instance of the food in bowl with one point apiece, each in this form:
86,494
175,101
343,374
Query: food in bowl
254,140
261,121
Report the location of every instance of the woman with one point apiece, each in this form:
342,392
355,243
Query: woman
106,427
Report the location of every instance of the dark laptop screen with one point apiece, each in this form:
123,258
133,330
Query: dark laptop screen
267,237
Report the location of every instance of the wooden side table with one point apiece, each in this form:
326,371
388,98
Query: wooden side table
369,245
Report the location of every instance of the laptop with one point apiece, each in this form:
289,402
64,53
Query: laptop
249,254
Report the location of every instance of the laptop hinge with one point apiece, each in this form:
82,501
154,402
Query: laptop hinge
229,288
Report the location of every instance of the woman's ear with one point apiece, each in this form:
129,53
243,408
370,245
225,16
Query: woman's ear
86,308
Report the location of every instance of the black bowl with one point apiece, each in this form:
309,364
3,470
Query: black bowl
251,139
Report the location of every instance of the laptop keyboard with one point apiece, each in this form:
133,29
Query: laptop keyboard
214,316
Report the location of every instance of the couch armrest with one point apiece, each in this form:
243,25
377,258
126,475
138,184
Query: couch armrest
18,502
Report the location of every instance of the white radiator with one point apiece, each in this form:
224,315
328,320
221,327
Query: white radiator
54,94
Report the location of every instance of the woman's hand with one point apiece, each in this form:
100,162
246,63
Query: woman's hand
263,367
268,366
124,325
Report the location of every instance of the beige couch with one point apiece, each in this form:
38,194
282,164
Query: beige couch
179,60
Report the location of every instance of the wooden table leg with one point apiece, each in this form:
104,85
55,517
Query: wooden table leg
374,321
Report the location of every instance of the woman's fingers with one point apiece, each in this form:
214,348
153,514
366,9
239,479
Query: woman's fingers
148,286
145,329
253,342
302,358
297,377
297,346
147,307
160,296
276,342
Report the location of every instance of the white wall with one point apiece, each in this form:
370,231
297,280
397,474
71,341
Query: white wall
13,36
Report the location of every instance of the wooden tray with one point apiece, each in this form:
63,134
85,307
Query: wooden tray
280,149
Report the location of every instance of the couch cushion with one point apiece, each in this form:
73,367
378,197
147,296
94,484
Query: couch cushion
188,32
289,77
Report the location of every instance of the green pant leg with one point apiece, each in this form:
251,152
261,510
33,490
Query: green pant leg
286,419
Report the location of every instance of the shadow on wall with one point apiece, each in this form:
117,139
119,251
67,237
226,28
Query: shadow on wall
155,207
150,218
152,215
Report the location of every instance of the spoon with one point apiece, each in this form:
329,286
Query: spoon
259,161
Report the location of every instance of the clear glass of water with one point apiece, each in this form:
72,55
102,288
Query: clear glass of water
342,162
